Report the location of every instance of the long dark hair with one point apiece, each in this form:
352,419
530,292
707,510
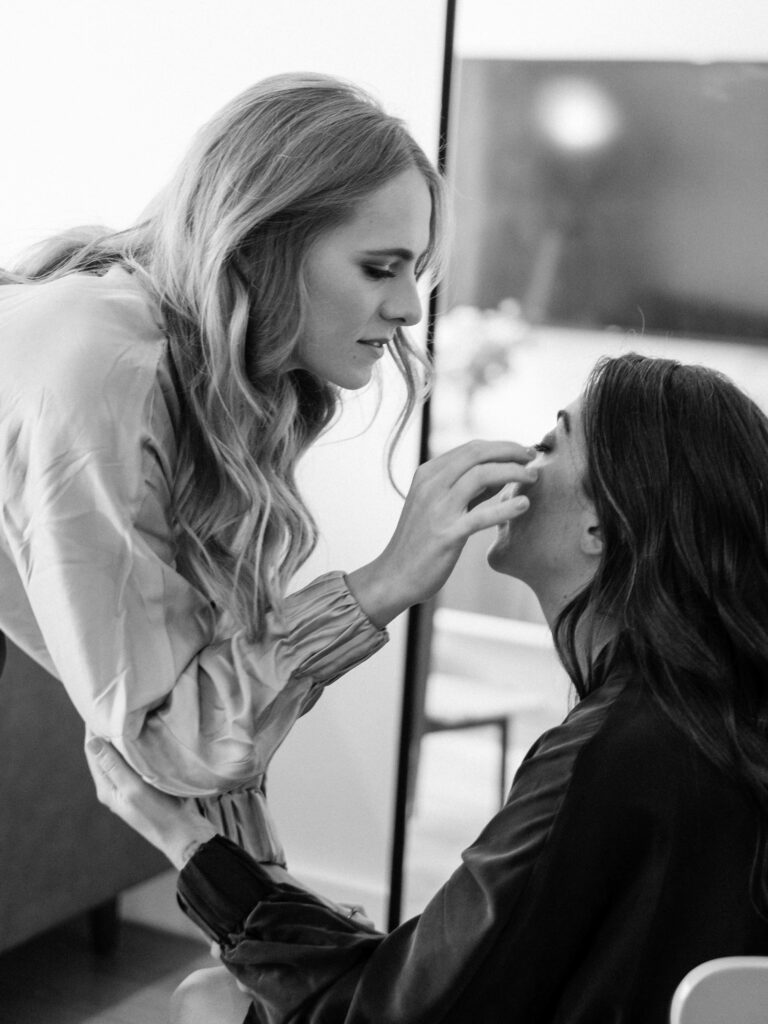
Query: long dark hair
677,466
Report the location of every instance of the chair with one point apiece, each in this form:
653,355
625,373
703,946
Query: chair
453,702
729,990
485,672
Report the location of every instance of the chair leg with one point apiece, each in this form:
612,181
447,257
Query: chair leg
104,926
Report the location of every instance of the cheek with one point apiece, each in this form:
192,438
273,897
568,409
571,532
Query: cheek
322,309
327,286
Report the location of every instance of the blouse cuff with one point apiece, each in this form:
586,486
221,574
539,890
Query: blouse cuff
329,630
217,888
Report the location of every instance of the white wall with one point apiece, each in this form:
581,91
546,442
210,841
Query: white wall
99,100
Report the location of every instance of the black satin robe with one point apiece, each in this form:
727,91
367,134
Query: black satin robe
620,860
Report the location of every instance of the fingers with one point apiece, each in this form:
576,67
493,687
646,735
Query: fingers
96,752
112,774
495,511
456,462
105,762
482,483
471,474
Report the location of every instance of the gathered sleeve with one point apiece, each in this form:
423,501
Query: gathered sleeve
86,482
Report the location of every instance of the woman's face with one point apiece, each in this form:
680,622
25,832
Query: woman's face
362,283
555,546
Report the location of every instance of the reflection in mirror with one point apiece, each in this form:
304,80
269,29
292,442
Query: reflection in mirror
602,193
600,207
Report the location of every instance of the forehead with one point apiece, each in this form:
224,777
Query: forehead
395,216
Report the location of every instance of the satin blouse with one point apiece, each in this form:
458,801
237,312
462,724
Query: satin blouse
88,583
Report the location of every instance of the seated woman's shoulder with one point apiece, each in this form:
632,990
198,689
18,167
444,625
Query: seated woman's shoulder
643,747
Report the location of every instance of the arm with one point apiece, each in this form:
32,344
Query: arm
86,484
90,456
221,885
548,912
135,644
545,894
504,928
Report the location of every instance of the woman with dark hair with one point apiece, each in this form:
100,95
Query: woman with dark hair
160,385
632,845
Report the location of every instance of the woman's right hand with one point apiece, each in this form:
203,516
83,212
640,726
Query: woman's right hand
439,515
168,822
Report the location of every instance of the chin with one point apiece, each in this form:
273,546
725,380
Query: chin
355,385
353,379
505,560
496,557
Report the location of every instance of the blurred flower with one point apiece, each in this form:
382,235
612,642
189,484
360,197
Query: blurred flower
474,348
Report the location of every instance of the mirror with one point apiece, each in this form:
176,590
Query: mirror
614,194
604,202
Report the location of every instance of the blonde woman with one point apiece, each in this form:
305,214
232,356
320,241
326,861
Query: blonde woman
159,386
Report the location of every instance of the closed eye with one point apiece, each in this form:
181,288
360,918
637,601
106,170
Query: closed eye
546,444
377,273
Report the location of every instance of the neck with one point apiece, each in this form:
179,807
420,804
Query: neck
593,633
553,598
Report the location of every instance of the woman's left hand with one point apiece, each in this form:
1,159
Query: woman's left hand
167,822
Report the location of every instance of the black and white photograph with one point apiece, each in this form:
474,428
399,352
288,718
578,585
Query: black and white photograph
384,493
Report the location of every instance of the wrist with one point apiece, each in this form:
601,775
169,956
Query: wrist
184,846
373,589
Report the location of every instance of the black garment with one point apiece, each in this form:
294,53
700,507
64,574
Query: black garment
621,860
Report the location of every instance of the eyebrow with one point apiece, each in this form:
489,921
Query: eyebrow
563,415
403,254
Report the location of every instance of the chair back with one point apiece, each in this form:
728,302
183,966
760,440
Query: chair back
730,990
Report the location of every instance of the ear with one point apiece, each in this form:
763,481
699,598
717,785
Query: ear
591,535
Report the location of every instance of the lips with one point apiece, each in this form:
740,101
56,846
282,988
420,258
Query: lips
378,343
511,490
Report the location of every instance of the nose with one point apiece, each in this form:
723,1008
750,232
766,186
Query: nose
402,304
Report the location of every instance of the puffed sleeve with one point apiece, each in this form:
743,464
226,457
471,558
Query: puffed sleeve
261,916
88,439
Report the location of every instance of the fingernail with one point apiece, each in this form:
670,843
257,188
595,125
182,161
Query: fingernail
95,744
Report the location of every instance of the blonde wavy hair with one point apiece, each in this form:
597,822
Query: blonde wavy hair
223,250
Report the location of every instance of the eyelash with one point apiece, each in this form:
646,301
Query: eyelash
542,446
378,273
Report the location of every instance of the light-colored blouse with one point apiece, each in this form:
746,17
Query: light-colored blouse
88,584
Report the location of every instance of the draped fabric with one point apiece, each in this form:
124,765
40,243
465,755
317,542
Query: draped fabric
292,945
620,860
